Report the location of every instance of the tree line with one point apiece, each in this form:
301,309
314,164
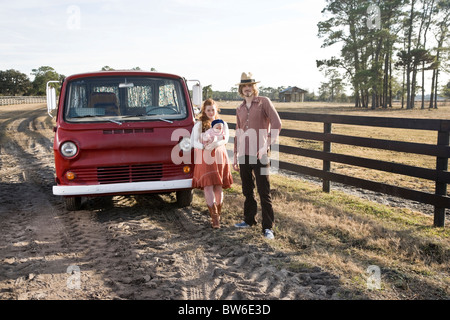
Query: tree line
325,93
387,46
232,94
16,83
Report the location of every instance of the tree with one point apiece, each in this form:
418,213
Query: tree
428,9
333,89
207,92
13,82
324,91
344,26
419,57
377,34
441,35
408,57
445,92
271,93
41,76
366,46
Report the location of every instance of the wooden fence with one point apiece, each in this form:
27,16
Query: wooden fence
10,100
441,151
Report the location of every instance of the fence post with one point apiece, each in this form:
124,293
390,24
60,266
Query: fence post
441,187
326,164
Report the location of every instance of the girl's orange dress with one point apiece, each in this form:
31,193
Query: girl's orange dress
212,167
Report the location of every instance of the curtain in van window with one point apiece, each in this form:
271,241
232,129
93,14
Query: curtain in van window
78,96
168,95
139,96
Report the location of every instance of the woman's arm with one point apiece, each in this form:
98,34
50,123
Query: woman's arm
196,136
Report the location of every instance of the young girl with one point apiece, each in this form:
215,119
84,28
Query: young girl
212,169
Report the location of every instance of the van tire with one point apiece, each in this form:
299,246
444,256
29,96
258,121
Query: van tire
184,198
72,203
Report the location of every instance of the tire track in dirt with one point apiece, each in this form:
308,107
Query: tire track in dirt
125,247
206,264
36,262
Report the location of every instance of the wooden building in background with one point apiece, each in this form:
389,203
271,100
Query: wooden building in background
292,94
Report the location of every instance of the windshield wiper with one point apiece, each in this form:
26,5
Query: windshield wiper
165,120
99,119
145,115
134,115
115,121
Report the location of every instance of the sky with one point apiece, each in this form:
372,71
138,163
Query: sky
213,41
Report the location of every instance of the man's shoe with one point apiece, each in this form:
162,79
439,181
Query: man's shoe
268,234
242,224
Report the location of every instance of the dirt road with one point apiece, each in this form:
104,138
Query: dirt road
123,247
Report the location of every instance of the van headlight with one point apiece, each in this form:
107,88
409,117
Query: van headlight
69,149
185,144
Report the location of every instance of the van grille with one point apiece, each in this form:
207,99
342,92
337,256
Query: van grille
134,173
128,173
128,131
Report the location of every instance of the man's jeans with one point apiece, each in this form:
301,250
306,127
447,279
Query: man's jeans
250,172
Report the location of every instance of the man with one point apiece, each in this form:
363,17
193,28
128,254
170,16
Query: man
257,127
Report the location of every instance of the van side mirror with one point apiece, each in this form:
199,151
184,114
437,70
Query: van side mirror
197,99
51,98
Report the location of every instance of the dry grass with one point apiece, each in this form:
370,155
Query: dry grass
344,235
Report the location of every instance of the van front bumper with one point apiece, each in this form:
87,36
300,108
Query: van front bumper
118,188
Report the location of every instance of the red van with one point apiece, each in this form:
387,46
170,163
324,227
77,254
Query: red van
123,132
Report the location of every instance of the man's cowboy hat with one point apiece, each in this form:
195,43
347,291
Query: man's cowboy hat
247,79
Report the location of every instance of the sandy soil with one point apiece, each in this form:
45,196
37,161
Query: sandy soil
123,247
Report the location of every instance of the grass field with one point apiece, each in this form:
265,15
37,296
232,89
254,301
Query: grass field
345,235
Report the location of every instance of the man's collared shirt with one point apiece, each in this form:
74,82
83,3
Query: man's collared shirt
255,125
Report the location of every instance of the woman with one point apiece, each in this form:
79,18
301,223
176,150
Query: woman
212,169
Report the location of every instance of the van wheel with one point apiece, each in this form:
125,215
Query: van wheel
72,203
184,198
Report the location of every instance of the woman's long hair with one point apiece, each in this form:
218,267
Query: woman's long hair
206,123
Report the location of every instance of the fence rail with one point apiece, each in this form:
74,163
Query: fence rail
441,151
11,100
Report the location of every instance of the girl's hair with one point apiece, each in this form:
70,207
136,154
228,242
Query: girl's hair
255,90
206,123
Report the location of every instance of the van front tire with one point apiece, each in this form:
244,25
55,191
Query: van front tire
184,198
72,203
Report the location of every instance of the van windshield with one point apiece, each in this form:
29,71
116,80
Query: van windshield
118,99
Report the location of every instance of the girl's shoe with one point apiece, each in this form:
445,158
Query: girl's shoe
214,216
